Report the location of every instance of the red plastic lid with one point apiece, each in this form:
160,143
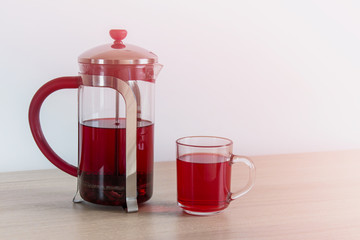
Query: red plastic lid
118,52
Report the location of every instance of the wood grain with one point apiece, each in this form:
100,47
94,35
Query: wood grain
297,196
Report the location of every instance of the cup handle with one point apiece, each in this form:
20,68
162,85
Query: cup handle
251,181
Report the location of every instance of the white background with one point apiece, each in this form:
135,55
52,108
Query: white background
274,76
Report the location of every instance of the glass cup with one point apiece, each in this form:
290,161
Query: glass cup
204,174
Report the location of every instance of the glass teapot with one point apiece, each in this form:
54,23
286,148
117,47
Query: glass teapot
116,123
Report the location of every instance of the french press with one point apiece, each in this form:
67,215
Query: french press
116,123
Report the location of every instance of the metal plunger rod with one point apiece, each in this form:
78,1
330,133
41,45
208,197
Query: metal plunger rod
117,120
117,123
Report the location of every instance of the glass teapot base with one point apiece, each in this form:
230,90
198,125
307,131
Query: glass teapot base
108,194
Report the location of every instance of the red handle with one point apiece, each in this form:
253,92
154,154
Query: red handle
34,120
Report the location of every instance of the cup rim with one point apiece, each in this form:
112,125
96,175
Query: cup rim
229,142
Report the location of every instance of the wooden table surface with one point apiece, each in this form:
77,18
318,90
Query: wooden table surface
297,196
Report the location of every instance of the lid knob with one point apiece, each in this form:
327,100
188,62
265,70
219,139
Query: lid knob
118,35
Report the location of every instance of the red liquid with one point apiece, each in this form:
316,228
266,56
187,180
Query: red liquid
203,182
102,166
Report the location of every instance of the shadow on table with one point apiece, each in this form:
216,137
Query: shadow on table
148,208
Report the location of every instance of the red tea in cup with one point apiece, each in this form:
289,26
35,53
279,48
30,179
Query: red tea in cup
203,182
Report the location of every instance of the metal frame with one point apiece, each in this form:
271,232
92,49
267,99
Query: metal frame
131,125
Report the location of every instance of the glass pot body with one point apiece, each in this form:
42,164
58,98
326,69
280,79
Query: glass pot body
102,143
103,118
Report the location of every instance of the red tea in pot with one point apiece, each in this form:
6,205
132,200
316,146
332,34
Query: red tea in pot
102,161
